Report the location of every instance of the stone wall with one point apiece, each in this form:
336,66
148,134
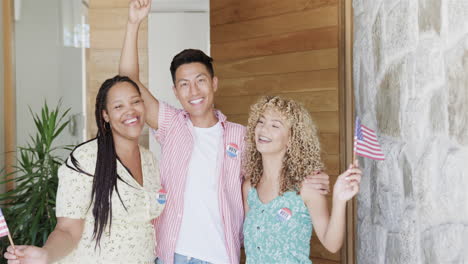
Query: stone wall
411,85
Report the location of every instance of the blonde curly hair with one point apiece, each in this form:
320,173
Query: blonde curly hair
302,157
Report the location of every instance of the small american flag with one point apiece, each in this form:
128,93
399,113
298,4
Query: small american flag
366,143
3,225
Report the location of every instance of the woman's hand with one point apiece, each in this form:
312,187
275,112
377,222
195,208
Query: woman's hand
138,10
317,182
347,184
26,255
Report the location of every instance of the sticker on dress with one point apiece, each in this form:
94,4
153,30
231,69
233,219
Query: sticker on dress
162,196
284,214
232,150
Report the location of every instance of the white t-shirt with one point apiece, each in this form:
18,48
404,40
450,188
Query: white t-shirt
201,233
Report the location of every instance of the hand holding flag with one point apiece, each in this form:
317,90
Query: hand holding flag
347,184
4,229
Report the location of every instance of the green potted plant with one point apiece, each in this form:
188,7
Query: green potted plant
29,208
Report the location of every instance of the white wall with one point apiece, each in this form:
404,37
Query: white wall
45,70
168,34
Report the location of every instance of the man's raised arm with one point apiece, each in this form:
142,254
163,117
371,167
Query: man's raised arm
128,66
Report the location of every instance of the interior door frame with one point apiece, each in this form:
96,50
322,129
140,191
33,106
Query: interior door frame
346,97
9,99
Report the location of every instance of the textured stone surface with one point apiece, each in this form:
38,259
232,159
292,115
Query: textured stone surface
377,41
457,22
371,249
430,15
457,82
438,112
401,28
411,85
388,103
429,72
365,98
445,243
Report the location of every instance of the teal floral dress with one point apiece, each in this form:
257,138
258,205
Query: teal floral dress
277,232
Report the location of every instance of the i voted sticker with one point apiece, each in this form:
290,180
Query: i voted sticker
232,150
162,196
284,214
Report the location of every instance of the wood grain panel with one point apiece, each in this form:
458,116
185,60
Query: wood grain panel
241,105
9,94
93,4
317,250
90,119
111,18
311,39
104,64
330,143
113,39
324,80
332,165
216,5
283,63
291,22
229,11
327,122
323,261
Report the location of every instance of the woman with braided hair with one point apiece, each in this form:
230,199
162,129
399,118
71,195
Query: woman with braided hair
108,190
282,147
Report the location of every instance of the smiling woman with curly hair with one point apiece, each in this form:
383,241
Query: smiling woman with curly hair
303,140
282,149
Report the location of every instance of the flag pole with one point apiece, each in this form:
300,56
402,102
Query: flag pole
354,146
11,241
354,158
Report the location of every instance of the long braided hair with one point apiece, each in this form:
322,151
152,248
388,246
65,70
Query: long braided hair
105,175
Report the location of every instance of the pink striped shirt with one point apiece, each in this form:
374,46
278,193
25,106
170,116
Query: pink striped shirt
175,137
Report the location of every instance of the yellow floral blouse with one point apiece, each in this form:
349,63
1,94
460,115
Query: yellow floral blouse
131,237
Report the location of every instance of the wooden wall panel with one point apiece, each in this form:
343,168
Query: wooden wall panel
282,47
107,20
311,39
9,95
322,80
102,4
110,18
277,64
230,11
240,104
107,35
290,22
326,121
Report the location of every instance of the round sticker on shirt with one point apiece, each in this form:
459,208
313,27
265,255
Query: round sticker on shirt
232,150
284,214
162,196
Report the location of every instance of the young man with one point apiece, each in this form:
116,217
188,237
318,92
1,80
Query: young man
200,159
